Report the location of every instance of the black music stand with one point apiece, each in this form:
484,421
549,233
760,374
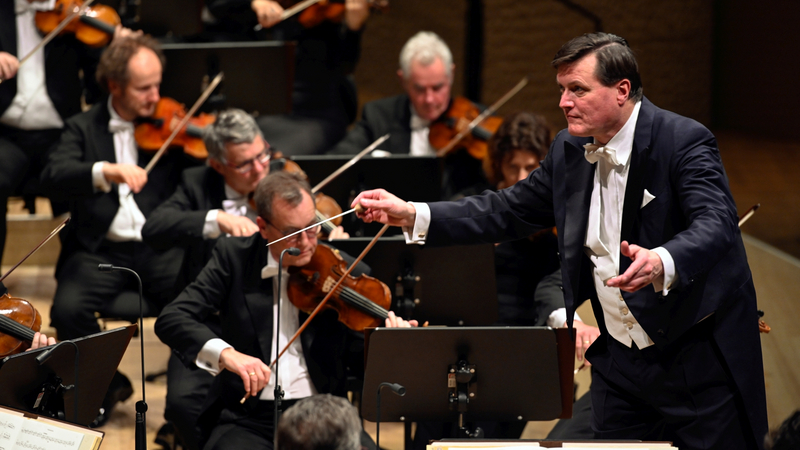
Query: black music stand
23,378
445,286
415,178
258,75
469,374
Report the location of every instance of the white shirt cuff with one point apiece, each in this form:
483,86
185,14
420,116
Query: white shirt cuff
558,318
98,179
211,227
421,224
208,358
670,277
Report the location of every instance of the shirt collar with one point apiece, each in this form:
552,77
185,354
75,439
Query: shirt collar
113,113
417,122
622,142
232,194
271,269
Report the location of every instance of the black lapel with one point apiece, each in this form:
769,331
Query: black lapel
634,190
259,298
578,181
216,188
403,137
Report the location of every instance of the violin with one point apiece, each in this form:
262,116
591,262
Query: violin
326,206
152,132
95,27
331,11
455,121
19,322
361,301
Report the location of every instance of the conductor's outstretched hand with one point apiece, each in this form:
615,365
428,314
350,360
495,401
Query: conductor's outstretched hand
383,207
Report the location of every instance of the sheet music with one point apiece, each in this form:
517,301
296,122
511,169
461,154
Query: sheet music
35,435
9,429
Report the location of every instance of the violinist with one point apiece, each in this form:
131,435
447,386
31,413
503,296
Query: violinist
36,97
210,202
324,100
426,75
238,284
96,166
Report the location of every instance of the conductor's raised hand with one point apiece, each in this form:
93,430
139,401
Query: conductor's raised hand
254,373
645,268
381,206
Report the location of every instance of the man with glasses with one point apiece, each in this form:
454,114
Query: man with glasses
237,283
210,202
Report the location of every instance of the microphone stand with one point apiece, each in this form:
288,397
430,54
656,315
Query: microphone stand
397,389
278,392
141,406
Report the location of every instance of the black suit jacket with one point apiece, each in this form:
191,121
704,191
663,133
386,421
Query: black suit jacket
693,216
63,58
68,176
393,115
231,285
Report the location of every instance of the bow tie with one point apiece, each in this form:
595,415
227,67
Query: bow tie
118,125
418,123
594,152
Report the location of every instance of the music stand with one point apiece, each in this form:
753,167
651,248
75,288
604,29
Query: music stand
22,378
415,178
452,285
470,374
258,75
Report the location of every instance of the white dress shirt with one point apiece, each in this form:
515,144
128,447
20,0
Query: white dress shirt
420,128
31,108
129,220
235,204
294,378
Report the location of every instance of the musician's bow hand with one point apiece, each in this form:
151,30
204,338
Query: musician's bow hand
254,373
381,206
237,226
394,321
9,64
40,340
268,12
132,175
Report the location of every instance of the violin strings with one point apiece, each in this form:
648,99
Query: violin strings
363,303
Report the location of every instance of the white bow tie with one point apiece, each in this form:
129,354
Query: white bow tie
235,207
418,123
594,152
118,125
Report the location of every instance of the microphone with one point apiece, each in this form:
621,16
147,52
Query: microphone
278,392
141,406
398,389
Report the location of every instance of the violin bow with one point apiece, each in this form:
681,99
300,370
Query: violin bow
299,7
486,113
184,121
49,236
350,163
746,216
327,296
75,13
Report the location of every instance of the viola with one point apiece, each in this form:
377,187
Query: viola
19,321
361,301
456,120
95,27
152,132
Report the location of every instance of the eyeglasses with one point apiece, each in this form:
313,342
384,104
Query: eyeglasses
310,233
246,166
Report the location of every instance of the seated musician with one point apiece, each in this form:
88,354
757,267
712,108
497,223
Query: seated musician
238,284
426,74
323,92
95,167
36,97
210,202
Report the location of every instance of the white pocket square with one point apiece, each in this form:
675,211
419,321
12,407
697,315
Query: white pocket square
648,197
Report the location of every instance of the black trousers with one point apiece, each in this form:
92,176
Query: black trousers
23,155
684,394
187,390
83,290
